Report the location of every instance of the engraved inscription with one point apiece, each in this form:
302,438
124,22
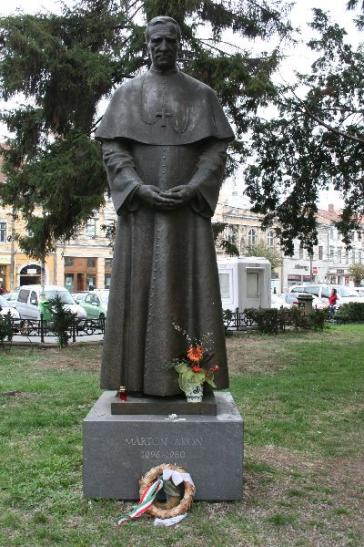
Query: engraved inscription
164,447
166,455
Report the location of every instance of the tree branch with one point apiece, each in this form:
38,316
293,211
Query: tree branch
329,127
321,122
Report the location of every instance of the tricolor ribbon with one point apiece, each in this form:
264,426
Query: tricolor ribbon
146,500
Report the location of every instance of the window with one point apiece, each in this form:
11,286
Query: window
107,281
224,279
90,229
353,256
252,281
339,255
312,289
332,252
23,296
230,234
108,263
91,262
347,257
68,260
270,238
325,292
2,232
252,237
359,257
68,281
91,282
33,298
321,252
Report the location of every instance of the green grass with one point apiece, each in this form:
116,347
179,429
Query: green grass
302,398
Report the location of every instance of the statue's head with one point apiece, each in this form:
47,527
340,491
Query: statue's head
163,35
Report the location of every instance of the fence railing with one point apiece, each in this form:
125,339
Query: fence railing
237,320
42,328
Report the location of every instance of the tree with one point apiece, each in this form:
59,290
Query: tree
356,271
269,253
65,64
316,139
224,242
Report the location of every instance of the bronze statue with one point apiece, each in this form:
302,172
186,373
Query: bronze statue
164,138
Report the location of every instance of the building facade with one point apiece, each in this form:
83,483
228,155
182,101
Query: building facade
79,264
86,260
329,263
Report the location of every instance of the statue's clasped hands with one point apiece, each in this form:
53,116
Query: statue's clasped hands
166,200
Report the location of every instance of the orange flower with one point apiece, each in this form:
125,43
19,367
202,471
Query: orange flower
196,368
195,353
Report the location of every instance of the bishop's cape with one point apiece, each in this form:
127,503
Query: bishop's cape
164,130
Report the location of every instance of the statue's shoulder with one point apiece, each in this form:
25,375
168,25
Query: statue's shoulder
196,85
130,85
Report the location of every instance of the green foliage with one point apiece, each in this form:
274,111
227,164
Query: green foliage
317,319
317,138
188,379
64,64
6,331
269,253
110,233
66,180
352,312
272,320
62,320
267,320
224,243
356,271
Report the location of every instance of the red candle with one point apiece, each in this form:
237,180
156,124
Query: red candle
123,394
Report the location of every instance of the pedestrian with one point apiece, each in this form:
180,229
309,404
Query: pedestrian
332,303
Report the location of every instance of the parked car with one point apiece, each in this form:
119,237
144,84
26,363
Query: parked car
79,296
345,294
6,307
11,296
290,299
279,301
360,291
30,301
95,303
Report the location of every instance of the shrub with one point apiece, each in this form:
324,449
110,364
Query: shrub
271,320
6,331
317,319
62,320
354,311
267,320
227,318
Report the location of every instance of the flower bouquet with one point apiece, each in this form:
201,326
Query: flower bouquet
192,369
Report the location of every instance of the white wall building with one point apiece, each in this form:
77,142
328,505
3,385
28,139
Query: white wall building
329,263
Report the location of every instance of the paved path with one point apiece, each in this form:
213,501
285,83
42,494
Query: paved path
52,340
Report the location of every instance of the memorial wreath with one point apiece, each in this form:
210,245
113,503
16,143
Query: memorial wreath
164,476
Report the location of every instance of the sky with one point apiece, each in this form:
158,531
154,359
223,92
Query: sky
299,58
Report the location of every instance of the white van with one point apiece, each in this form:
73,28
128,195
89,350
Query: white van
345,294
29,299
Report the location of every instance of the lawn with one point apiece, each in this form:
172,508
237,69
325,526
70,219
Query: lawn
302,397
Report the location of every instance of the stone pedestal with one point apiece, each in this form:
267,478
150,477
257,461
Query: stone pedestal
119,449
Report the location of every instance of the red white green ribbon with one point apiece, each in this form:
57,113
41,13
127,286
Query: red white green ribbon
146,500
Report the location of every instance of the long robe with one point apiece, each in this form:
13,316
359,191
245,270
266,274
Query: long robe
164,268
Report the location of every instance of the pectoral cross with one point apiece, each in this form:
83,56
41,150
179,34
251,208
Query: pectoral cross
163,115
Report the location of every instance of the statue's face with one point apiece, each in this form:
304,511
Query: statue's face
163,46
